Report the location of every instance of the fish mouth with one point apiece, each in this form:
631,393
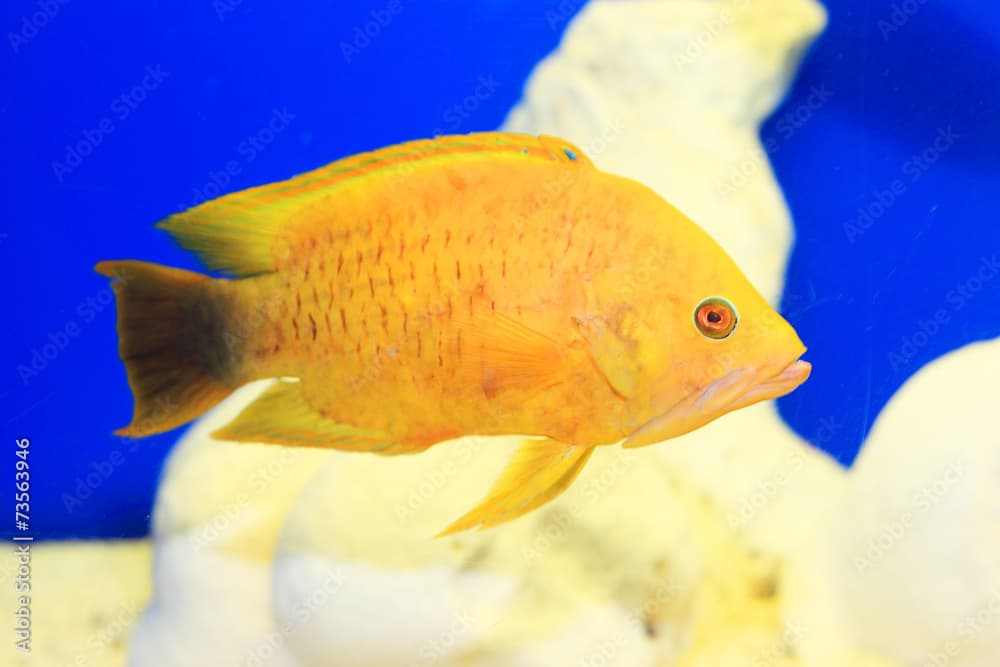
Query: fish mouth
737,389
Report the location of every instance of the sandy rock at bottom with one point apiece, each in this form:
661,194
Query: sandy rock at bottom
85,598
668,541
909,568
660,556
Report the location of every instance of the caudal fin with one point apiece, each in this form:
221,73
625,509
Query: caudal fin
170,382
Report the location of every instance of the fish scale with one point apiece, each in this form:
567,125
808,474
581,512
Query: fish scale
484,284
361,290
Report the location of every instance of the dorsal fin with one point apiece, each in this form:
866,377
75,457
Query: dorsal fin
419,153
235,233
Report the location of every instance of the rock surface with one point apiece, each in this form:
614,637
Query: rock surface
910,566
85,599
654,556
738,544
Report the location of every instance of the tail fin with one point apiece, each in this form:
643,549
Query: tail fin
170,382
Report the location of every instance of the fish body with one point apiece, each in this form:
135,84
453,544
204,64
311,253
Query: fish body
485,284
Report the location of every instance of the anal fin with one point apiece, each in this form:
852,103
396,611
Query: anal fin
281,415
539,471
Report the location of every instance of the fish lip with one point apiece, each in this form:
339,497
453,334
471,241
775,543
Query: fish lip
747,388
775,386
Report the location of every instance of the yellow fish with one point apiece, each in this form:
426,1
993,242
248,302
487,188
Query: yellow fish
485,284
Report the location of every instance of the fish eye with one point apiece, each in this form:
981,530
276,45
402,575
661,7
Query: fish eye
715,318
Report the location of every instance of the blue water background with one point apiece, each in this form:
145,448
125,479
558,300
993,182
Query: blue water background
225,95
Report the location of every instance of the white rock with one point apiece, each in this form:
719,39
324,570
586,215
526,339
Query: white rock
219,508
639,532
83,598
209,609
651,555
733,545
431,614
913,559
672,94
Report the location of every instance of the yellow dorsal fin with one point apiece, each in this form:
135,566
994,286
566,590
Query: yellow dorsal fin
236,233
539,471
400,159
282,416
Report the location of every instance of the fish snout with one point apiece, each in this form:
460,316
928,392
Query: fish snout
737,389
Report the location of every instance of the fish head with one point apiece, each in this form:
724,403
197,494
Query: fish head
702,342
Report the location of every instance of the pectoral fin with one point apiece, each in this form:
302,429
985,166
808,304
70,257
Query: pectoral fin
539,471
501,354
609,353
283,416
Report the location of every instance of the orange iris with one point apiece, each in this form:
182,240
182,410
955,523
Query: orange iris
715,318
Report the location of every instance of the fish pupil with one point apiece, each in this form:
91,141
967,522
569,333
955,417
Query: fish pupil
715,318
